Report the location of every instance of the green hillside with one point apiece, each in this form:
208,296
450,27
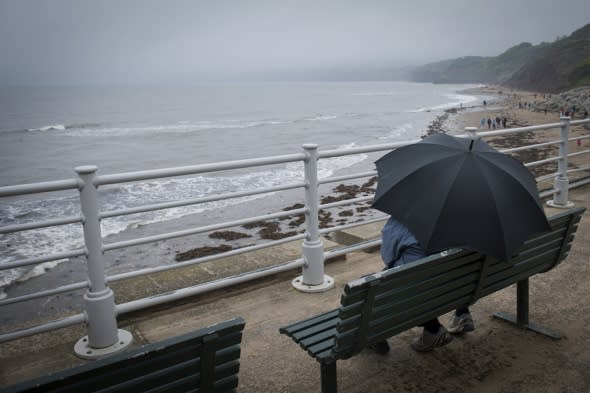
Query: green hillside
550,67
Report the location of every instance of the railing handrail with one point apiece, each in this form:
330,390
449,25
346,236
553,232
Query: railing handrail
35,188
195,169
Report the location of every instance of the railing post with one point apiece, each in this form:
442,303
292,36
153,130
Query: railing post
103,336
313,278
561,182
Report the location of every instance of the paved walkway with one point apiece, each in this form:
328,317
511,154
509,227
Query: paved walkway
495,358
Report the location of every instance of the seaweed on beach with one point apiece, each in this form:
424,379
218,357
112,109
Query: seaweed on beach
228,235
254,225
201,252
528,155
272,231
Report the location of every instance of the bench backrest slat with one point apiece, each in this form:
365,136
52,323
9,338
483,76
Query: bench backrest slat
386,303
355,292
175,364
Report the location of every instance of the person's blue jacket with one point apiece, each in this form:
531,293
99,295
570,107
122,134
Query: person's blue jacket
399,246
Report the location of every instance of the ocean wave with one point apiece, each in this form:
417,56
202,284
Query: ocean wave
184,126
456,99
177,127
377,94
54,127
320,118
398,133
63,127
83,125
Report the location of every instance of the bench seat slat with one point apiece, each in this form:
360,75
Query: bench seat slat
306,323
321,347
315,329
325,335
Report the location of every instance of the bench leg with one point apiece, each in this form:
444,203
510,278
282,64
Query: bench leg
329,381
522,312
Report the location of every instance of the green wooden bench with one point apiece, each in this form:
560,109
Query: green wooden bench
384,304
206,360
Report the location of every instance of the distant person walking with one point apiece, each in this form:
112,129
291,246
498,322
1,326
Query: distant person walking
484,104
482,122
489,123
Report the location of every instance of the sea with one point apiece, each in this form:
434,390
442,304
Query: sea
46,132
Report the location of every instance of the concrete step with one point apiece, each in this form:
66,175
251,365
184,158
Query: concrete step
359,234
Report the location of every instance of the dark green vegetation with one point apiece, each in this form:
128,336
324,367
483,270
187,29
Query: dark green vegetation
549,67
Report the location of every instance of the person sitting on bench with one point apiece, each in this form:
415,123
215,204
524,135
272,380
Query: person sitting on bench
399,247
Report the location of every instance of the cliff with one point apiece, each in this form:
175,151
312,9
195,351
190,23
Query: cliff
549,67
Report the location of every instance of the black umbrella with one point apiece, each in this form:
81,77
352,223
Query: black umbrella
459,192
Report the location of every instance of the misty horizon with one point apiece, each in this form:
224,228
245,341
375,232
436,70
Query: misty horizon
67,42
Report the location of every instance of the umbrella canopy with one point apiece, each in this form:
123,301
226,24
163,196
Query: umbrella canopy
458,192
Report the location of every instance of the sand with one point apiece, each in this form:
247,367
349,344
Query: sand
507,105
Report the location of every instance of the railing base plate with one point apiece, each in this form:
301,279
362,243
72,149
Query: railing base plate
324,286
83,350
568,205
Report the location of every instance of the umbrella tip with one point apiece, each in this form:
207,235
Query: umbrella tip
472,132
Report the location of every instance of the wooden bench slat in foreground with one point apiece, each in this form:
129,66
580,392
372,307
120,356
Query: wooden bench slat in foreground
384,304
206,360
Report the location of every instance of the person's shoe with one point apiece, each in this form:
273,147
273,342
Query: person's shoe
461,324
380,347
428,341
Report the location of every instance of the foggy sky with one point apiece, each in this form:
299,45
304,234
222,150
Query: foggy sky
71,42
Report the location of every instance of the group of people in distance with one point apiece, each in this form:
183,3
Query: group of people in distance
493,123
571,112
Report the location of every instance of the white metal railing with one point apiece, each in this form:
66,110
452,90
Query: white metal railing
101,311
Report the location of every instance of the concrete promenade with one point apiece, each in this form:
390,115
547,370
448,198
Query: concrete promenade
496,357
